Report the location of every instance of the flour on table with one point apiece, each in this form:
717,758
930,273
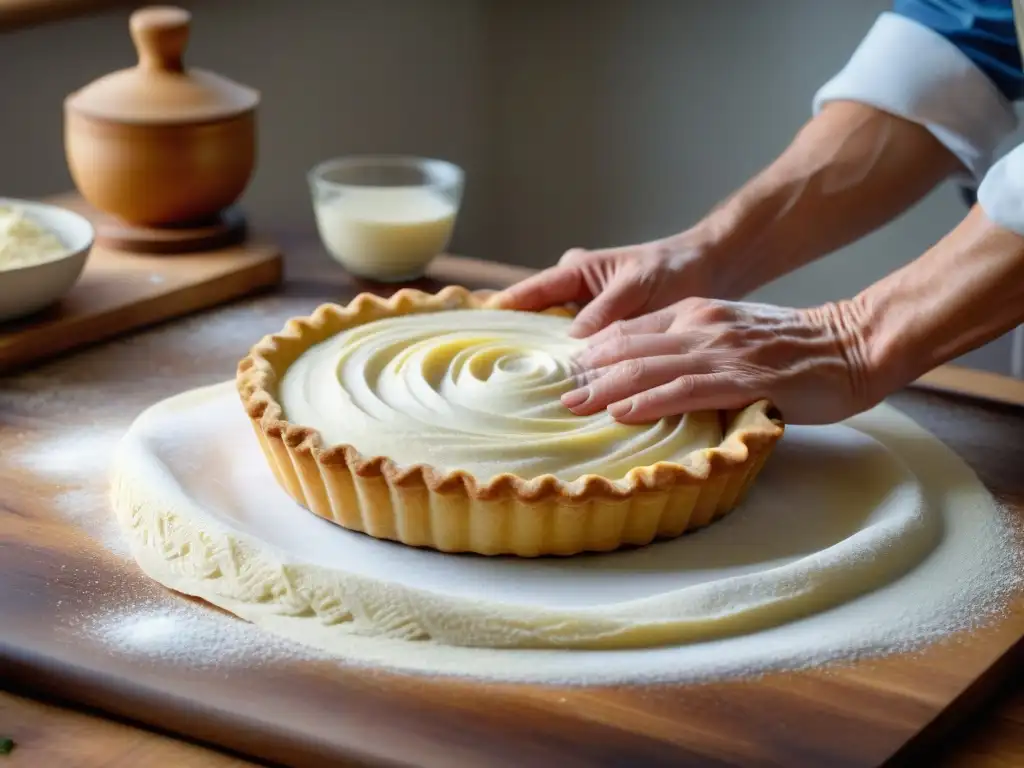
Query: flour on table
71,455
71,462
74,465
963,580
176,631
962,585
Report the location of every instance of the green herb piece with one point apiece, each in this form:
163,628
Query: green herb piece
6,746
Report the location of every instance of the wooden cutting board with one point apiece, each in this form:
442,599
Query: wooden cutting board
120,292
53,577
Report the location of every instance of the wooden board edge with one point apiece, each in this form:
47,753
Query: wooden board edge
263,275
451,268
927,745
148,707
969,382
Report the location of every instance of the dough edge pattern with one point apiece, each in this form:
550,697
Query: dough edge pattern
179,545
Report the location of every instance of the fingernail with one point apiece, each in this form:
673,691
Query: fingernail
620,409
576,397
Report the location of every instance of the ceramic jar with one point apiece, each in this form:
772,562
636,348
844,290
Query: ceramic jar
158,144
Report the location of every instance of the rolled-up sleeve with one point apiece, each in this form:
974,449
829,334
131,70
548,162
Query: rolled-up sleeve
908,67
1001,194
954,67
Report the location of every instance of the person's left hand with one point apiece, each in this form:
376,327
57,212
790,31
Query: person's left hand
702,354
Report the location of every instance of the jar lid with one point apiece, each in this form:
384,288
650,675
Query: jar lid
159,89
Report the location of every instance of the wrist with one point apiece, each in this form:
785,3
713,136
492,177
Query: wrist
887,361
691,264
963,292
716,261
855,338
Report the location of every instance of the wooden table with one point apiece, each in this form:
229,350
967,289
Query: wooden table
51,734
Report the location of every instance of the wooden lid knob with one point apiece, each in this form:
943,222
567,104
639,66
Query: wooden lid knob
160,34
160,90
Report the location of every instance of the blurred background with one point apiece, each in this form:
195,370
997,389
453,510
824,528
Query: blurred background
579,122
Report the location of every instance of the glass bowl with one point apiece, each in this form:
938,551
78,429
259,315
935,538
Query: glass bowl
386,217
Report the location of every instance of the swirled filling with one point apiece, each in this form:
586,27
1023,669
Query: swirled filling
473,390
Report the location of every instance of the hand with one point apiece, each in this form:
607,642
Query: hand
701,354
618,283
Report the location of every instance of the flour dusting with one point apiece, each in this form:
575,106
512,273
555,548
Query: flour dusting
964,585
963,582
71,455
174,630
73,465
68,415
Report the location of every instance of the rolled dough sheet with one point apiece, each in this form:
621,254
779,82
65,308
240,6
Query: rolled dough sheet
844,519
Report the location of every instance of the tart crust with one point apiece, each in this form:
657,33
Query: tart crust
422,506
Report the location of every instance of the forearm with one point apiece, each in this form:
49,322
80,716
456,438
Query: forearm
965,291
850,170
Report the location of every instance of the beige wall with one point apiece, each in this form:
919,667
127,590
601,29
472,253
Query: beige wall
336,77
579,122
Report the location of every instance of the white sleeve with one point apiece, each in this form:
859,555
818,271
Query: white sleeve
1001,194
905,68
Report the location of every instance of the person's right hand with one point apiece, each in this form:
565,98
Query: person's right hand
614,283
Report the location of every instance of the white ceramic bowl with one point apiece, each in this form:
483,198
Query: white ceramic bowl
25,290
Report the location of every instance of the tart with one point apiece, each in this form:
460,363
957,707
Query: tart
435,421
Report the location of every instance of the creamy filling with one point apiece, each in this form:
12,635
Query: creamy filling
473,390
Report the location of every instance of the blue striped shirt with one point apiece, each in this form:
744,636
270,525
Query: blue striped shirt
983,30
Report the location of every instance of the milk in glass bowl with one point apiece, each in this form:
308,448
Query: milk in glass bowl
385,218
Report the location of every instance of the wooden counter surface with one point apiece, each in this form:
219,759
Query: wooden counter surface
47,733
